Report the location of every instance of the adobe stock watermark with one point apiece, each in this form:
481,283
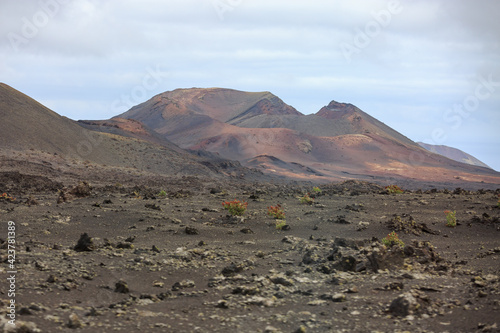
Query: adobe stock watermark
372,29
30,27
152,80
455,115
223,6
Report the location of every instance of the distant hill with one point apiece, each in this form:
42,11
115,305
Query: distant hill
454,154
261,131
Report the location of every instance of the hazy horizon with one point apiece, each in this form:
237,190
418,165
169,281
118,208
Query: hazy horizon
429,69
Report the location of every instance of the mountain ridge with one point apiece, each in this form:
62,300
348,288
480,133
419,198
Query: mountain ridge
339,139
201,132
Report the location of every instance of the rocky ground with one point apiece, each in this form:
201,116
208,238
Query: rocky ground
124,258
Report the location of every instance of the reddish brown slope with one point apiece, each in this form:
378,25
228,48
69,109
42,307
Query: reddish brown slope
224,105
129,128
28,126
340,141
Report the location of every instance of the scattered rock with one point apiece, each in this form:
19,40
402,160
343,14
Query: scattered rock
232,269
340,219
182,254
386,259
230,219
52,279
83,189
301,329
337,297
244,290
19,327
393,286
312,256
130,239
403,305
409,226
222,304
74,321
261,301
350,243
271,329
316,302
124,245
247,230
355,207
191,230
183,285
362,226
282,280
121,287
85,243
175,220
292,240
153,206
31,201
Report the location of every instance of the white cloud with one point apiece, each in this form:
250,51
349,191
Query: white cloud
429,56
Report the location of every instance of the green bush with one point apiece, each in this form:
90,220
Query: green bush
451,219
235,207
316,189
392,239
276,211
394,189
306,199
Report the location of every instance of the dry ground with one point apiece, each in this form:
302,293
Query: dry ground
178,264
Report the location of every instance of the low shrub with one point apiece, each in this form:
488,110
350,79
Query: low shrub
393,189
276,211
6,197
235,207
306,199
316,189
392,239
451,219
280,224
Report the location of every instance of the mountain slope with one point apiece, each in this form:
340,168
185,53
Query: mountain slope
129,128
332,120
27,125
454,154
189,116
259,130
224,105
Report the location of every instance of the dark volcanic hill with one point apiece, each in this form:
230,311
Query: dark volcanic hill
454,154
123,146
260,130
28,124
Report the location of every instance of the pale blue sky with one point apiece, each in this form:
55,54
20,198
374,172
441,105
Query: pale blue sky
429,69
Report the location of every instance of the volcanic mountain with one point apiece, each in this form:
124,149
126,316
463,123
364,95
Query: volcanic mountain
28,126
454,154
258,129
